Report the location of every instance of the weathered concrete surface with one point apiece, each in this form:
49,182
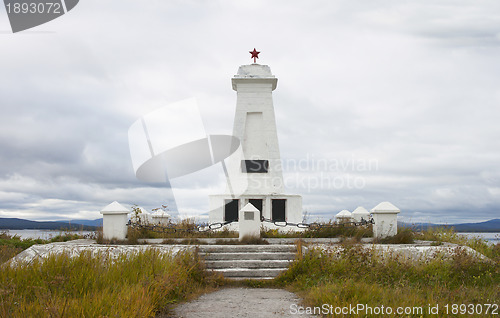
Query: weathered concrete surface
248,261
76,247
240,302
420,251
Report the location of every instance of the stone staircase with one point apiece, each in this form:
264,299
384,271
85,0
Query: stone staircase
248,261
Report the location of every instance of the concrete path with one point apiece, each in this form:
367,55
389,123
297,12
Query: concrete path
241,302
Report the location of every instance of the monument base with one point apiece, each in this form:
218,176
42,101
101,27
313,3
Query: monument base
277,207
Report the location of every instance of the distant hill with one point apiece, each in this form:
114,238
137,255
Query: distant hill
96,222
20,224
487,226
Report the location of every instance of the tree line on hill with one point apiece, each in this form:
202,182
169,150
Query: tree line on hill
73,225
92,225
487,226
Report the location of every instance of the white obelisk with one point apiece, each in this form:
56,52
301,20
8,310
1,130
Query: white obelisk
258,166
255,126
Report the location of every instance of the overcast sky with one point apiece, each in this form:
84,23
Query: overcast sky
401,100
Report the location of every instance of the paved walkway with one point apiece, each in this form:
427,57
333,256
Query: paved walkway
241,302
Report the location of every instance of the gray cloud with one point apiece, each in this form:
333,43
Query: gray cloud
413,86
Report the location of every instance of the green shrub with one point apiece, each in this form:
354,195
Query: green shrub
404,236
10,245
446,234
323,230
7,252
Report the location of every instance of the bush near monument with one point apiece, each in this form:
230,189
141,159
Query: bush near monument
360,277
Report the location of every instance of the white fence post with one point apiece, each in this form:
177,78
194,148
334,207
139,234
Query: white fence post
385,217
249,222
114,221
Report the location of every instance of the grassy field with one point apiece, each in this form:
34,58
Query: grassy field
359,276
11,245
139,286
147,284
439,235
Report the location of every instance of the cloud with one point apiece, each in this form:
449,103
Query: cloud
412,86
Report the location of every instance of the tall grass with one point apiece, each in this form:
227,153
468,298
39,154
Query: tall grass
186,228
443,234
131,286
324,230
147,283
7,252
405,235
16,241
360,276
11,245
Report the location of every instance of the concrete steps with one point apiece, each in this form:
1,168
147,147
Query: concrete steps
248,261
215,256
241,263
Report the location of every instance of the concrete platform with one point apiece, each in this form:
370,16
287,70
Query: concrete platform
420,251
76,247
272,257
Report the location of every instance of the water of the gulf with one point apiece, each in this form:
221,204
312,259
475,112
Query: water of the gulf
42,234
491,237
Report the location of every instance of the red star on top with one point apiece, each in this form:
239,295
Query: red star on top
255,55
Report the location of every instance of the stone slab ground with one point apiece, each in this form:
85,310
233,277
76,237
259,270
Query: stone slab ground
240,302
420,251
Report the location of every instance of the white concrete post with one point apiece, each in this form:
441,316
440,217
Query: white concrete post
343,216
360,213
114,221
161,218
249,221
385,216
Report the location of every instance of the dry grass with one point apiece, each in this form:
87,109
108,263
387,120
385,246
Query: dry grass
187,228
146,284
141,285
404,236
441,234
324,230
11,245
362,277
7,252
